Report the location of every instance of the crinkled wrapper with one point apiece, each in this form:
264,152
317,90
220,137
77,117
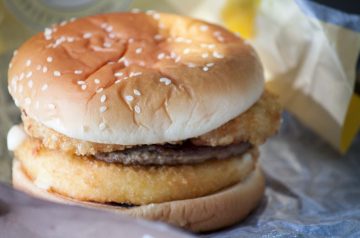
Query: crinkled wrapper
312,191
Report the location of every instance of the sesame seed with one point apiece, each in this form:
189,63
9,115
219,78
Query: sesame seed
188,41
217,33
57,73
131,40
134,74
102,126
129,98
204,55
117,81
107,45
72,19
186,51
177,59
15,52
137,92
27,101
44,87
220,38
138,50
49,59
30,84
103,98
28,63
191,65
109,28
63,23
204,28
38,67
78,71
173,55
158,37
70,39
80,82
205,68
59,41
217,55
99,90
22,75
137,109
126,62
87,35
161,56
83,87
51,106
118,74
112,35
96,81
135,10
156,16
103,109
44,69
47,31
210,64
179,39
150,12
10,65
161,25
29,74
165,80
103,25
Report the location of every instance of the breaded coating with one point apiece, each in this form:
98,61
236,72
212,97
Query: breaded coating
255,125
86,179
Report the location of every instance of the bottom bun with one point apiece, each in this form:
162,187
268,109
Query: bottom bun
206,213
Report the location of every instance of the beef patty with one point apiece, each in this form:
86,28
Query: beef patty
172,154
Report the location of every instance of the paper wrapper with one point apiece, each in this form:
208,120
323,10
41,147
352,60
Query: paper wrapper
310,52
24,216
310,191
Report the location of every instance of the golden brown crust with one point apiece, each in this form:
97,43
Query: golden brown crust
254,126
95,78
84,178
206,213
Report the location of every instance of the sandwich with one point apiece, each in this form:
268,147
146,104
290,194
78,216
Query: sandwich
149,114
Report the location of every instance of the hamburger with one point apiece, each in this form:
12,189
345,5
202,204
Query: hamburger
149,114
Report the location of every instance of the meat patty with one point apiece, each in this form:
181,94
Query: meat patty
186,153
254,125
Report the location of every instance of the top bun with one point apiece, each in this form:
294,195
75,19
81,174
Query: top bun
135,78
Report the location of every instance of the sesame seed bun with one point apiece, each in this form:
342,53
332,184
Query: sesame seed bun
136,78
206,213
